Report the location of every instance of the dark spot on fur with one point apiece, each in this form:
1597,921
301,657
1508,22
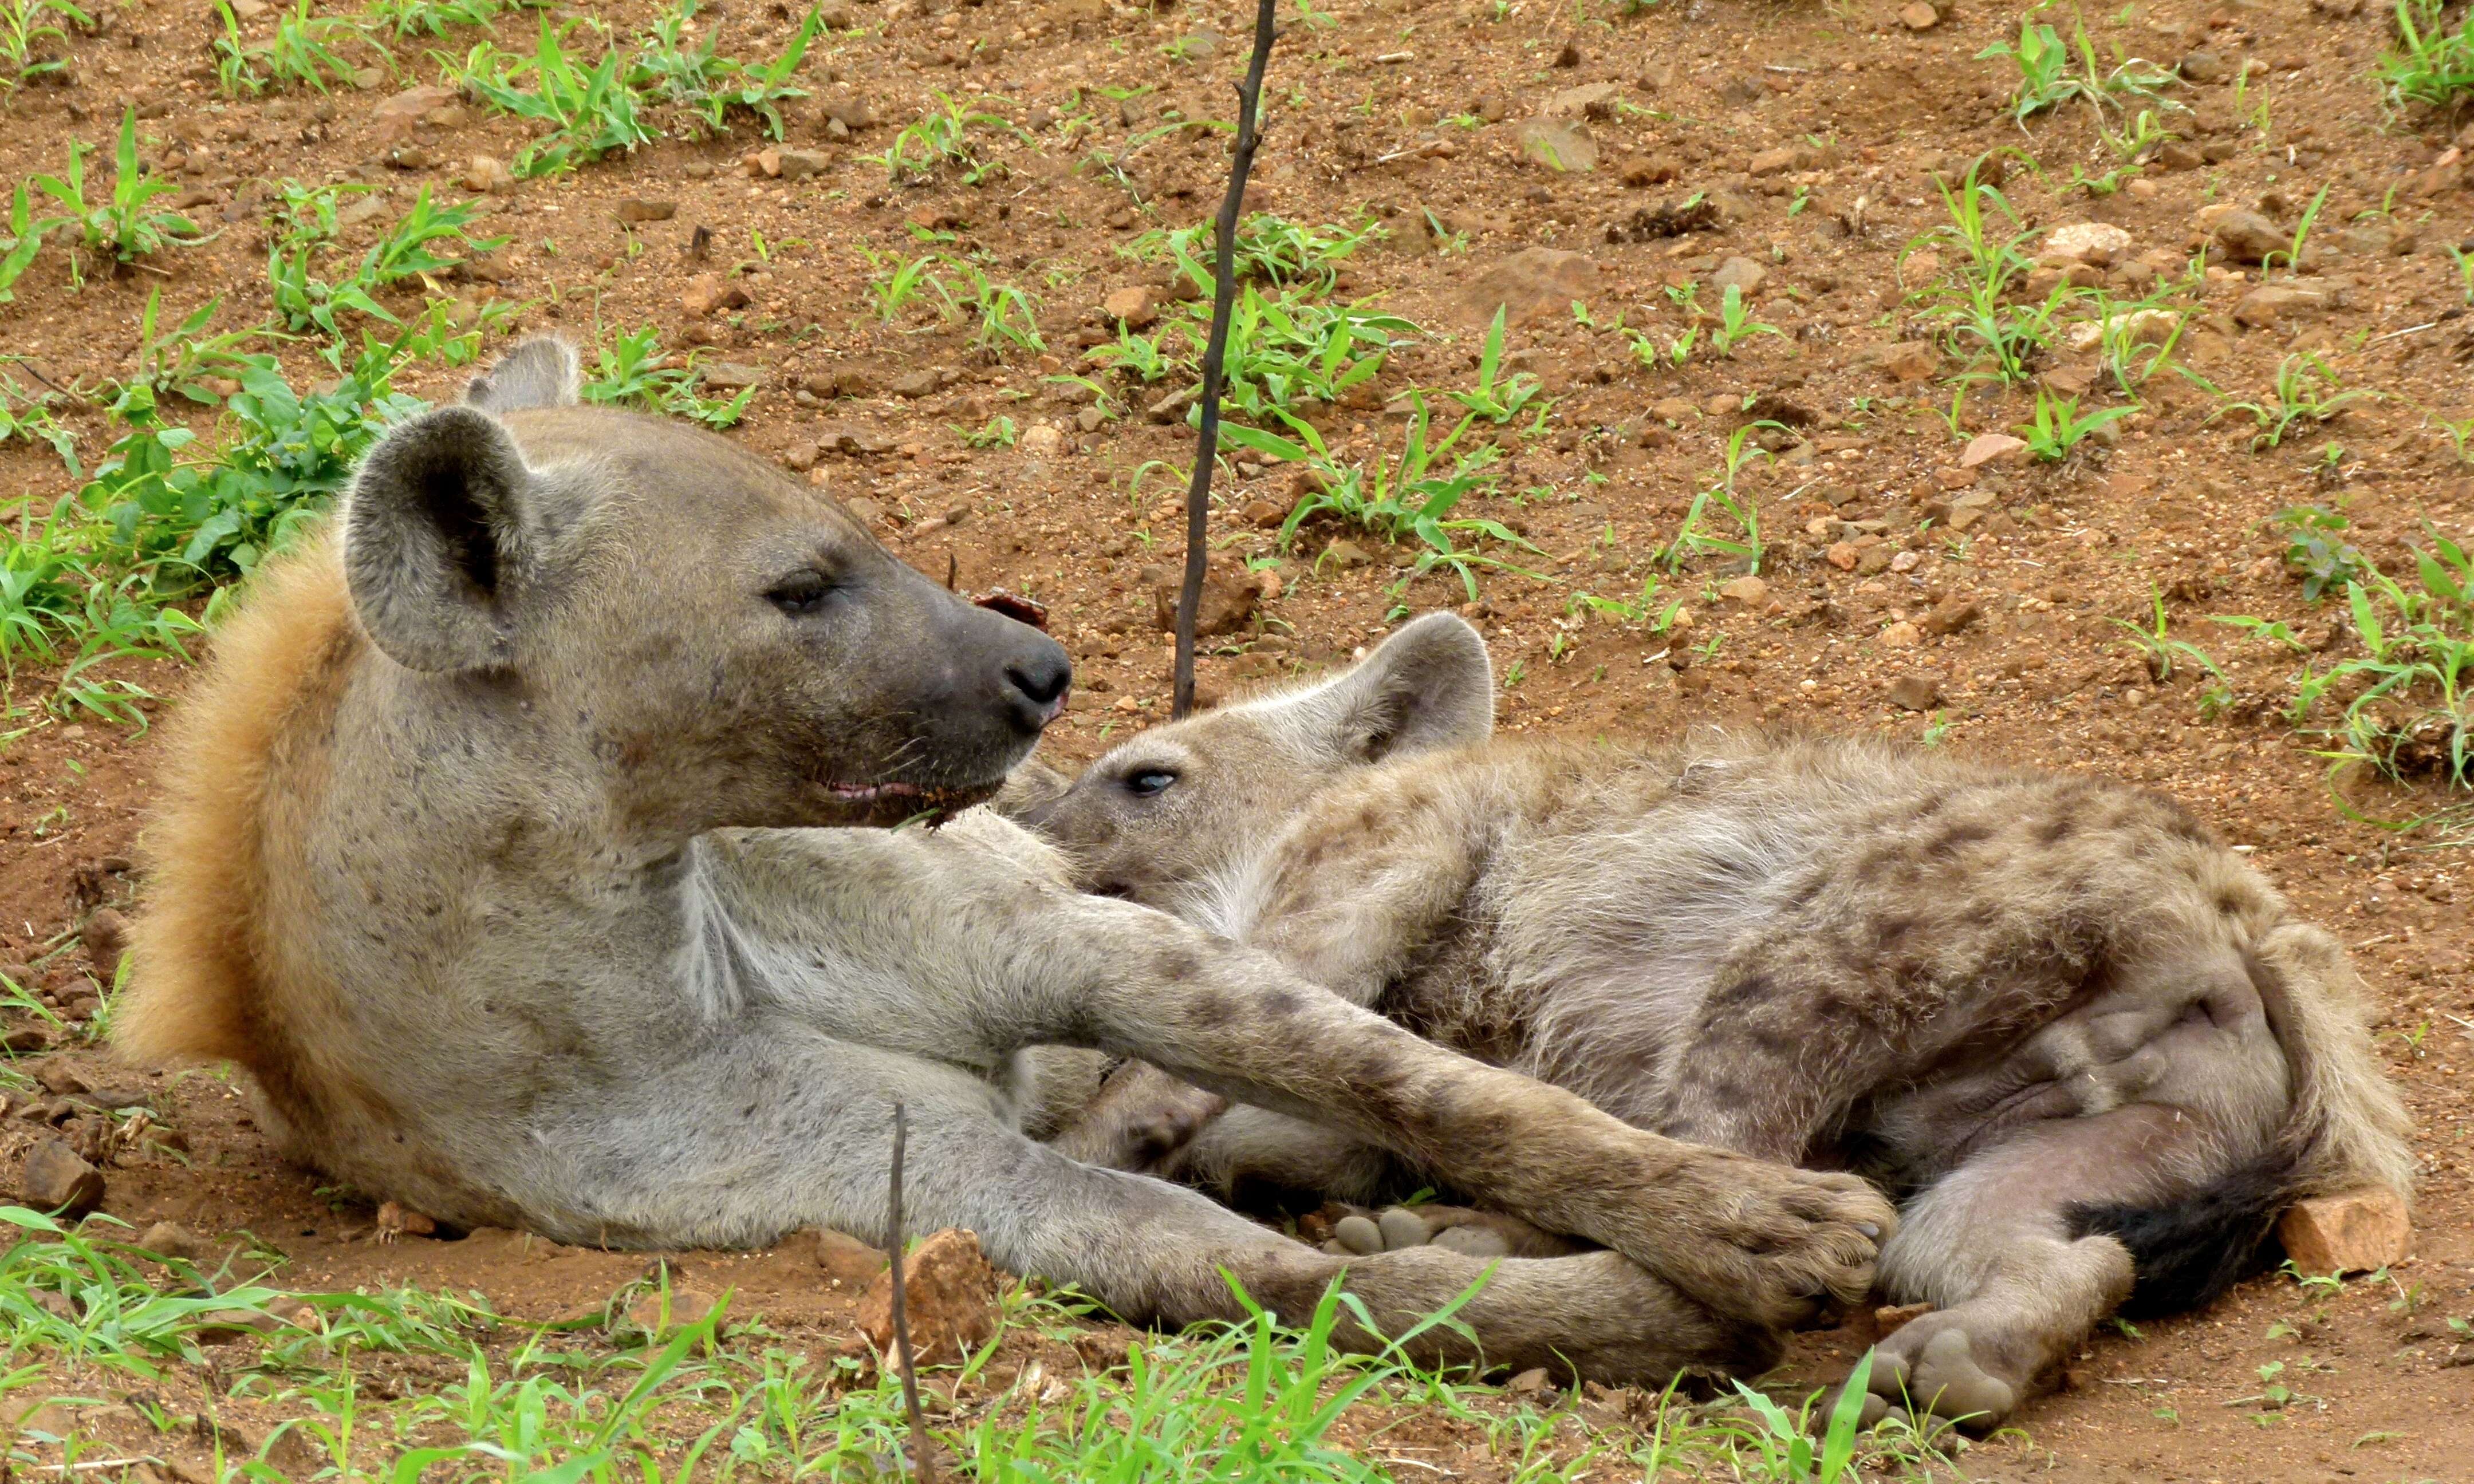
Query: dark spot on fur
2055,830
1947,844
1887,932
1734,994
1281,1002
1177,963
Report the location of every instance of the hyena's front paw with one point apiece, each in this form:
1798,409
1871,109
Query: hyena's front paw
1140,1129
1767,1243
1460,1229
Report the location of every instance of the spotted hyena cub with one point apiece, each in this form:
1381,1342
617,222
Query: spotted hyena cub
2086,1046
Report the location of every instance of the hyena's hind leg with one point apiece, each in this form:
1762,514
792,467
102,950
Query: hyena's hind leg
2016,1249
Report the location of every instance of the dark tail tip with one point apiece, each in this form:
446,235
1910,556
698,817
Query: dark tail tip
2189,1251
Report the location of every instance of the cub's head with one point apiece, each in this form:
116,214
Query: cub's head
1186,801
639,599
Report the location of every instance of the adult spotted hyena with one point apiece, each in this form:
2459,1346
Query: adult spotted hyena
2086,1046
524,842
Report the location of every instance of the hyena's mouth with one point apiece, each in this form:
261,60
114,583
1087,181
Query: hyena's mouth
896,801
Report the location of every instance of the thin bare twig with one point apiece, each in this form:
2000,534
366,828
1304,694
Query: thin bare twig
1215,355
923,1464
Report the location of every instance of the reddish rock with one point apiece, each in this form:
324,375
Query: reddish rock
949,1295
2351,1233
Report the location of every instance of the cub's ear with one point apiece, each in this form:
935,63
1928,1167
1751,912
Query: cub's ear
435,536
540,372
1429,687
1029,792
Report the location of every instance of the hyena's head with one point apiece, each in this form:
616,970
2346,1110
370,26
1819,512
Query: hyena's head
1187,801
654,606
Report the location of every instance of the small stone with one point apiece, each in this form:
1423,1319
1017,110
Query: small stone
1747,591
802,457
1592,100
1040,440
1915,692
2206,66
1843,555
914,384
1532,1382
801,164
867,512
948,1297
1911,360
1555,145
1740,274
405,111
2100,243
733,376
107,939
1534,283
171,1239
1171,407
2353,1232
706,293
1917,16
486,174
1950,615
637,209
26,1039
1134,307
2266,307
54,1178
2249,237
1343,554
1773,163
1901,635
60,1078
1986,447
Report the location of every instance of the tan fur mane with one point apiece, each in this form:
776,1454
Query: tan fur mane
206,949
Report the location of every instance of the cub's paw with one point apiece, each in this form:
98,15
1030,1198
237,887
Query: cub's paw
1460,1229
1767,1243
1935,1365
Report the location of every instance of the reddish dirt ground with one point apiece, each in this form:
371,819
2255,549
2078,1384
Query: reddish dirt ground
1815,134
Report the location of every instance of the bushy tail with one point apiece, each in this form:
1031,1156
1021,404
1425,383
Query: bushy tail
2346,1129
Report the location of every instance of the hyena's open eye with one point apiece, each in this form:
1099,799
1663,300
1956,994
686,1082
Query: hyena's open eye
1143,782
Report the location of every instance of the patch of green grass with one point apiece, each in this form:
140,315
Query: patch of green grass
300,52
941,138
1982,320
1735,323
669,68
2306,391
589,110
2404,704
633,372
2059,426
2048,78
1695,537
2430,66
176,361
406,251
125,226
1496,398
26,25
1268,248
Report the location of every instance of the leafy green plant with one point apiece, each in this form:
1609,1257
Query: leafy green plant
1284,350
1644,608
1694,538
2305,390
943,137
25,25
25,240
125,225
897,284
1410,497
2301,234
2161,650
2430,66
28,414
2048,80
2316,550
590,112
1496,398
310,213
670,69
300,51
434,18
176,362
1268,248
1007,317
633,372
2059,426
998,432
406,251
1735,323
2406,700
1981,319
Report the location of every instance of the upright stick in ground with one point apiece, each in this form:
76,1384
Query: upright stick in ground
1215,353
923,1465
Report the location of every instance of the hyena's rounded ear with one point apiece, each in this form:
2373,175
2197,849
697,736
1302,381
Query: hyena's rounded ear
540,372
1429,687
435,536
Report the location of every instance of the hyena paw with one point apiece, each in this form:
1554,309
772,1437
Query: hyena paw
1936,1367
1460,1229
1141,1138
1770,1244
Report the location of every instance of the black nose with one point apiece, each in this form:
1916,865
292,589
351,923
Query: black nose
1036,684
